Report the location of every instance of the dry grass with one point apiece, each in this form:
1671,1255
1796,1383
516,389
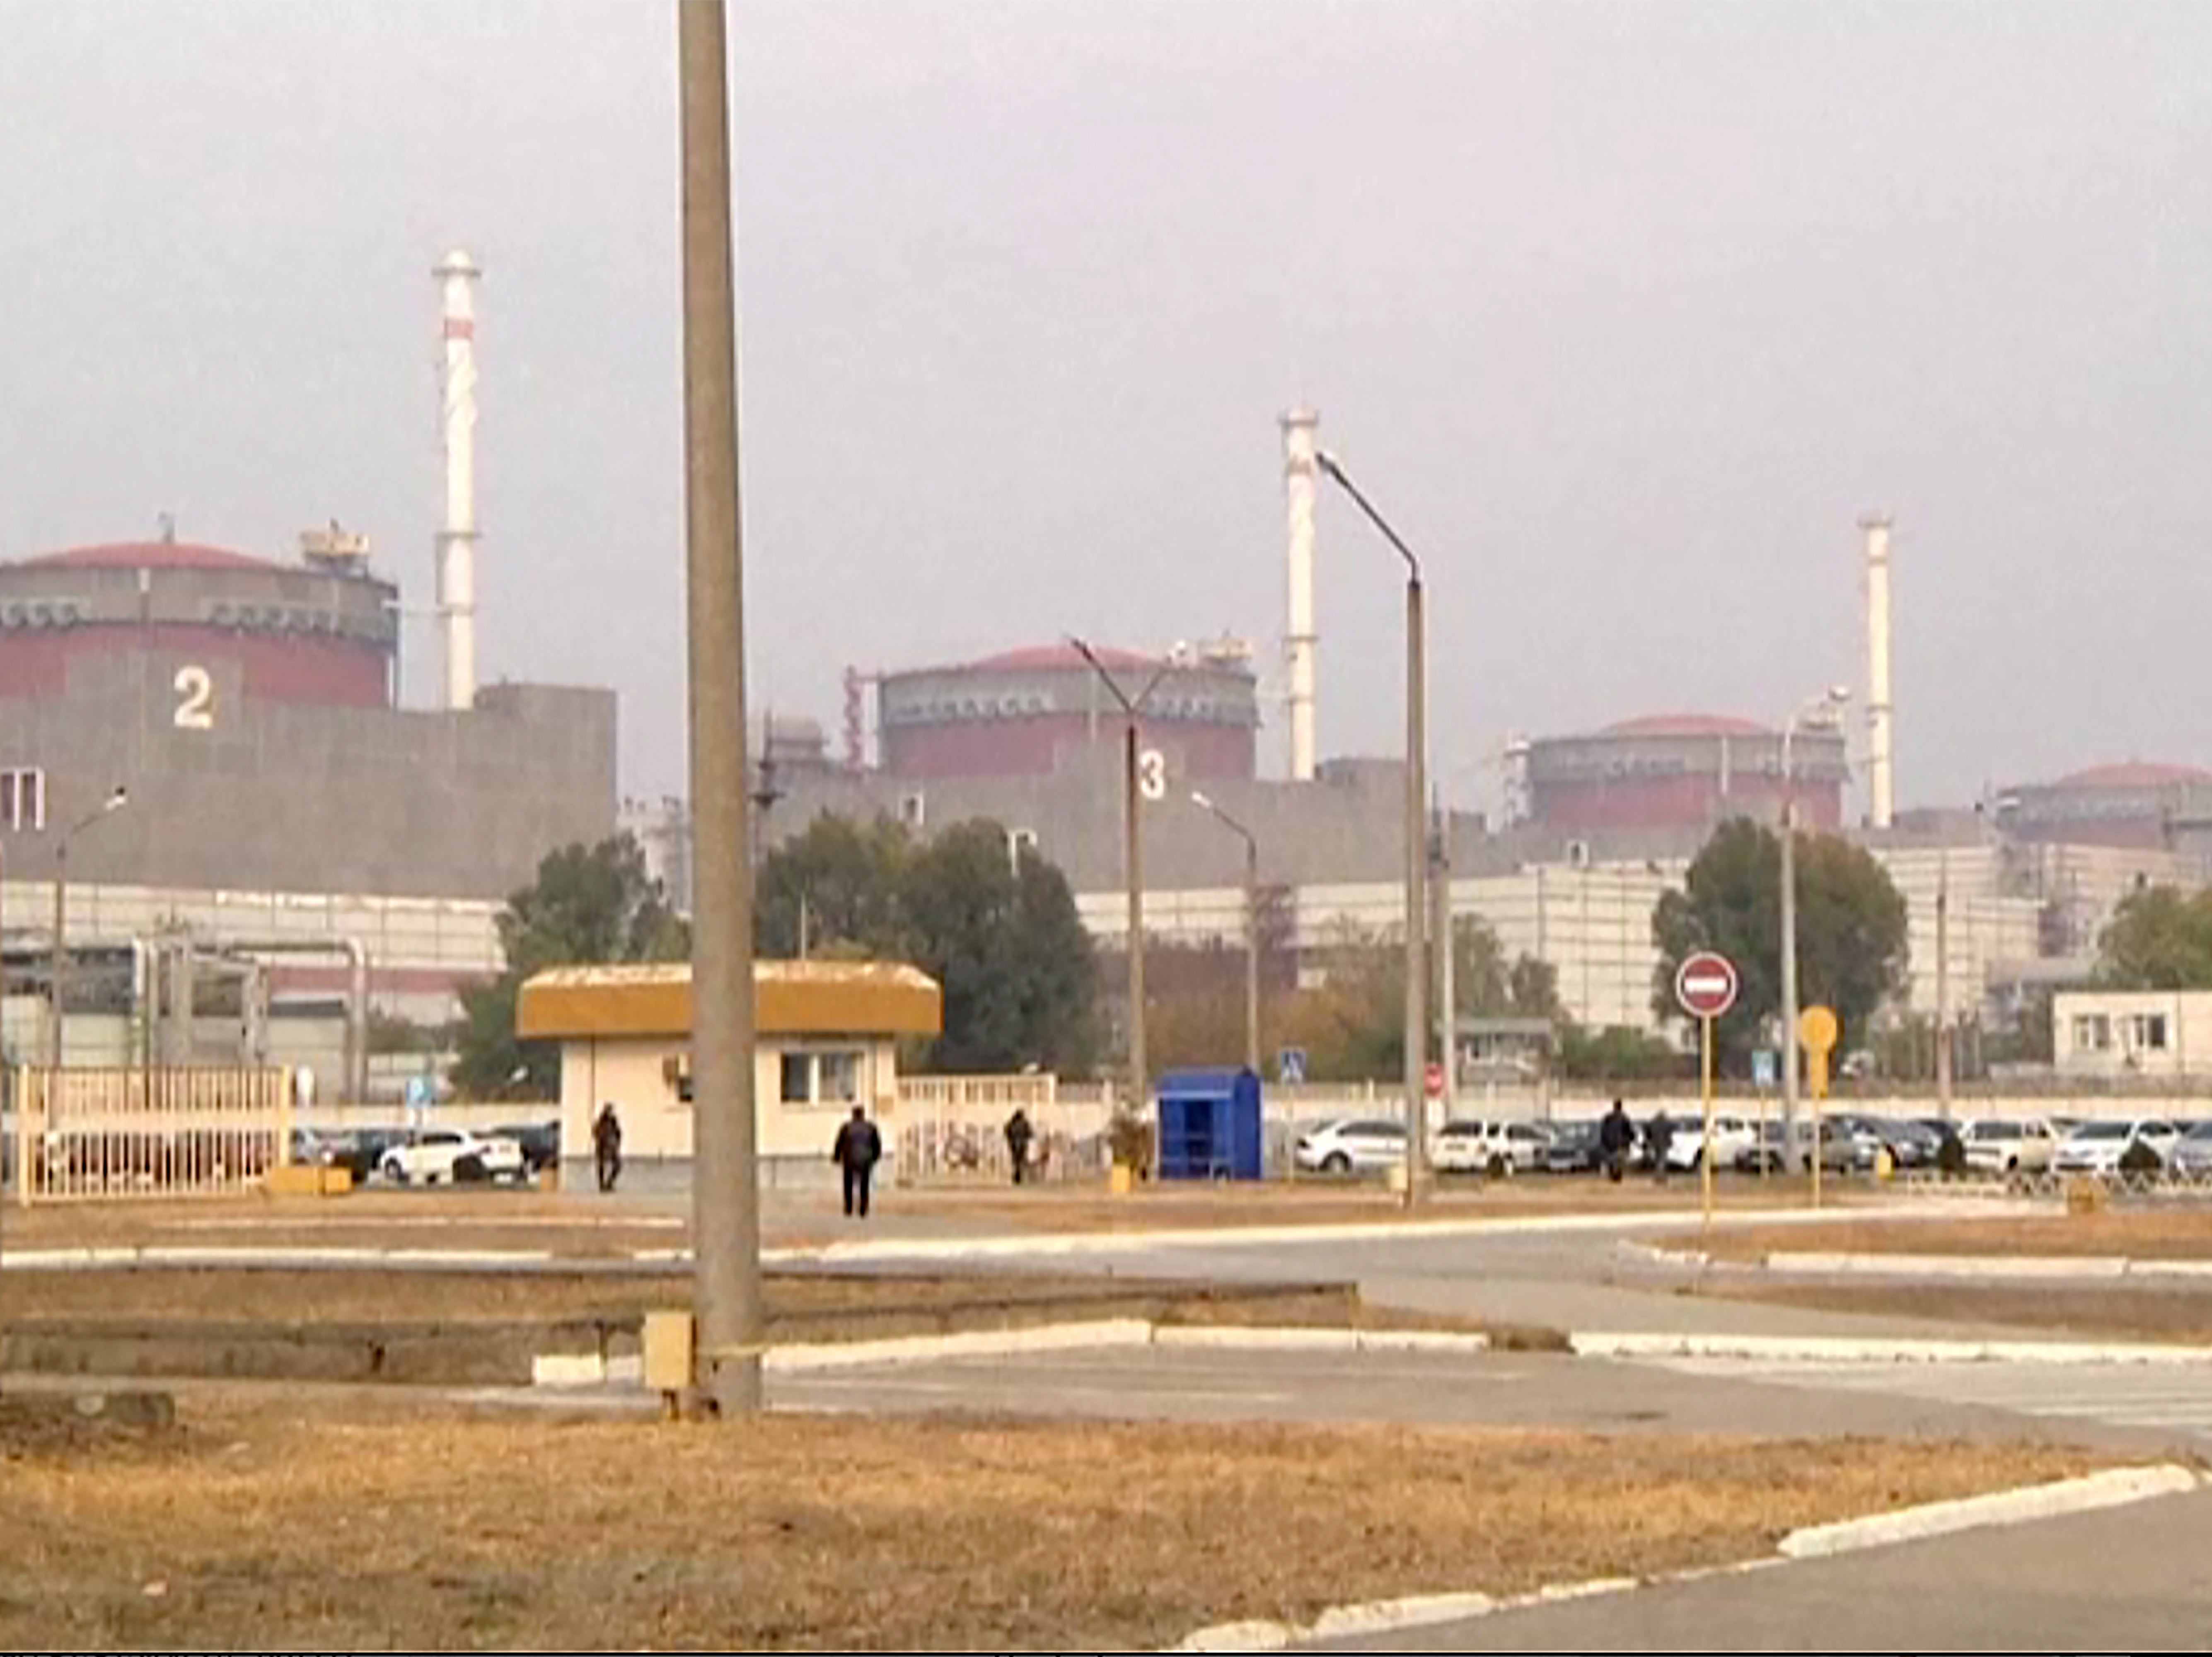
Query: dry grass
264,1527
800,1307
2154,1315
2159,1234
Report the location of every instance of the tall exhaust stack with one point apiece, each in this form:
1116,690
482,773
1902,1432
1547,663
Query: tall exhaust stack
1301,480
456,540
1881,782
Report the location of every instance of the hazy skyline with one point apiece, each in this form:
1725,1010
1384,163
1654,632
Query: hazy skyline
1623,313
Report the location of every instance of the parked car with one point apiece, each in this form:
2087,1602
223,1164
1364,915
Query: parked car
1361,1145
2191,1156
1573,1148
540,1142
2098,1147
2006,1144
449,1156
1838,1151
1912,1144
1468,1146
1732,1136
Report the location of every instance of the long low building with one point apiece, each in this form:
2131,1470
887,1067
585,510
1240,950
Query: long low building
828,1039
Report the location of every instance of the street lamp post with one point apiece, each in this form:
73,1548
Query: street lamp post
725,1176
1132,853
1823,710
114,802
1251,929
1417,1010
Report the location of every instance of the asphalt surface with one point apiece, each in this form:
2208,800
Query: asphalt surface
2005,1401
2132,1578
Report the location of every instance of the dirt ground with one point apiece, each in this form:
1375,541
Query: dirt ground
2089,1312
2160,1233
582,1226
267,1525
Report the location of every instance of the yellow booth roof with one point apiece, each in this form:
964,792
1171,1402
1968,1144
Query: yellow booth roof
791,998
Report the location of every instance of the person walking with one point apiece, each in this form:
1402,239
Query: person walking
1018,1135
1616,1134
858,1150
1659,1136
606,1146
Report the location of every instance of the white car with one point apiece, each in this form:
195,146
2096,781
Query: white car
1733,1136
442,1155
2009,1144
2098,1147
1467,1146
1348,1147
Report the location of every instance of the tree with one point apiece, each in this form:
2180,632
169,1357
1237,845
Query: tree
844,877
590,906
2158,939
1850,931
1001,936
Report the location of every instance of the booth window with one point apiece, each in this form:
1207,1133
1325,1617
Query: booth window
839,1078
797,1079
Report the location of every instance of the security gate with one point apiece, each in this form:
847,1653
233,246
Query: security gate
147,1131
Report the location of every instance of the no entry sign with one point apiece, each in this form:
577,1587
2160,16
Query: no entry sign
1705,985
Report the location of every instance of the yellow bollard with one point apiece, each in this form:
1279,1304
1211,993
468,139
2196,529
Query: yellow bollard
1122,1180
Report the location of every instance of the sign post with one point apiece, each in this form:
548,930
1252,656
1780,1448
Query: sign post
1705,987
1817,1029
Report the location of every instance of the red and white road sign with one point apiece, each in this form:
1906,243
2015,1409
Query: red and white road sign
1705,985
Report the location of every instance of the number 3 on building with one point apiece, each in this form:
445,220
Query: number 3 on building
1152,773
195,706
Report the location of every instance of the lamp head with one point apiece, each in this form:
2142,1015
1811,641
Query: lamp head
117,800
1199,799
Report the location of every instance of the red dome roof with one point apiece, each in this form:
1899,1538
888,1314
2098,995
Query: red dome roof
152,554
1686,725
2133,773
1058,656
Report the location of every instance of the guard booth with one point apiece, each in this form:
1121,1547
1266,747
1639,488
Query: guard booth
1209,1124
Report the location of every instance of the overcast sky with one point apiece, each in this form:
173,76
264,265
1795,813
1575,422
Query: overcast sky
1623,313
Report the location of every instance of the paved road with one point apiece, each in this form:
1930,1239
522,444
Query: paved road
2175,1402
1495,1389
2135,1579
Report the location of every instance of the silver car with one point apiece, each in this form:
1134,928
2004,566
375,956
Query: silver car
2192,1155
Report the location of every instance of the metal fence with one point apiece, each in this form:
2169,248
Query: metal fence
2168,1185
952,1130
83,1135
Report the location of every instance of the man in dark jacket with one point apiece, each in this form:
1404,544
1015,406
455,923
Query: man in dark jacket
1659,1137
606,1146
1018,1134
858,1150
1616,1136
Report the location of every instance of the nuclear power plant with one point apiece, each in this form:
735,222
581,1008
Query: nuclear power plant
212,744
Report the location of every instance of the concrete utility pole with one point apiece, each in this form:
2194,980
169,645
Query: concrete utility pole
1826,707
725,1182
114,802
1944,1057
1251,928
1133,854
1416,850
1440,946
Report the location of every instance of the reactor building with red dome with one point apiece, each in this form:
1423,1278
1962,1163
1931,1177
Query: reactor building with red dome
1678,771
249,708
1036,712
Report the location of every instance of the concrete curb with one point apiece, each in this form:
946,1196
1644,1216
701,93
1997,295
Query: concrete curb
2113,1489
2118,1487
982,1343
1834,1348
1112,1242
591,1369
1976,1267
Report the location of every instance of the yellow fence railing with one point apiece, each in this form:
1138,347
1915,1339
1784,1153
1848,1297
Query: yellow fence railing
154,1131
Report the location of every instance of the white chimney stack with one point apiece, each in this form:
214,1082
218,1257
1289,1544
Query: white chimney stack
1301,480
456,540
1881,781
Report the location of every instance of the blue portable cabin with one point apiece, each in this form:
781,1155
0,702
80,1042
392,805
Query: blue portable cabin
1209,1124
